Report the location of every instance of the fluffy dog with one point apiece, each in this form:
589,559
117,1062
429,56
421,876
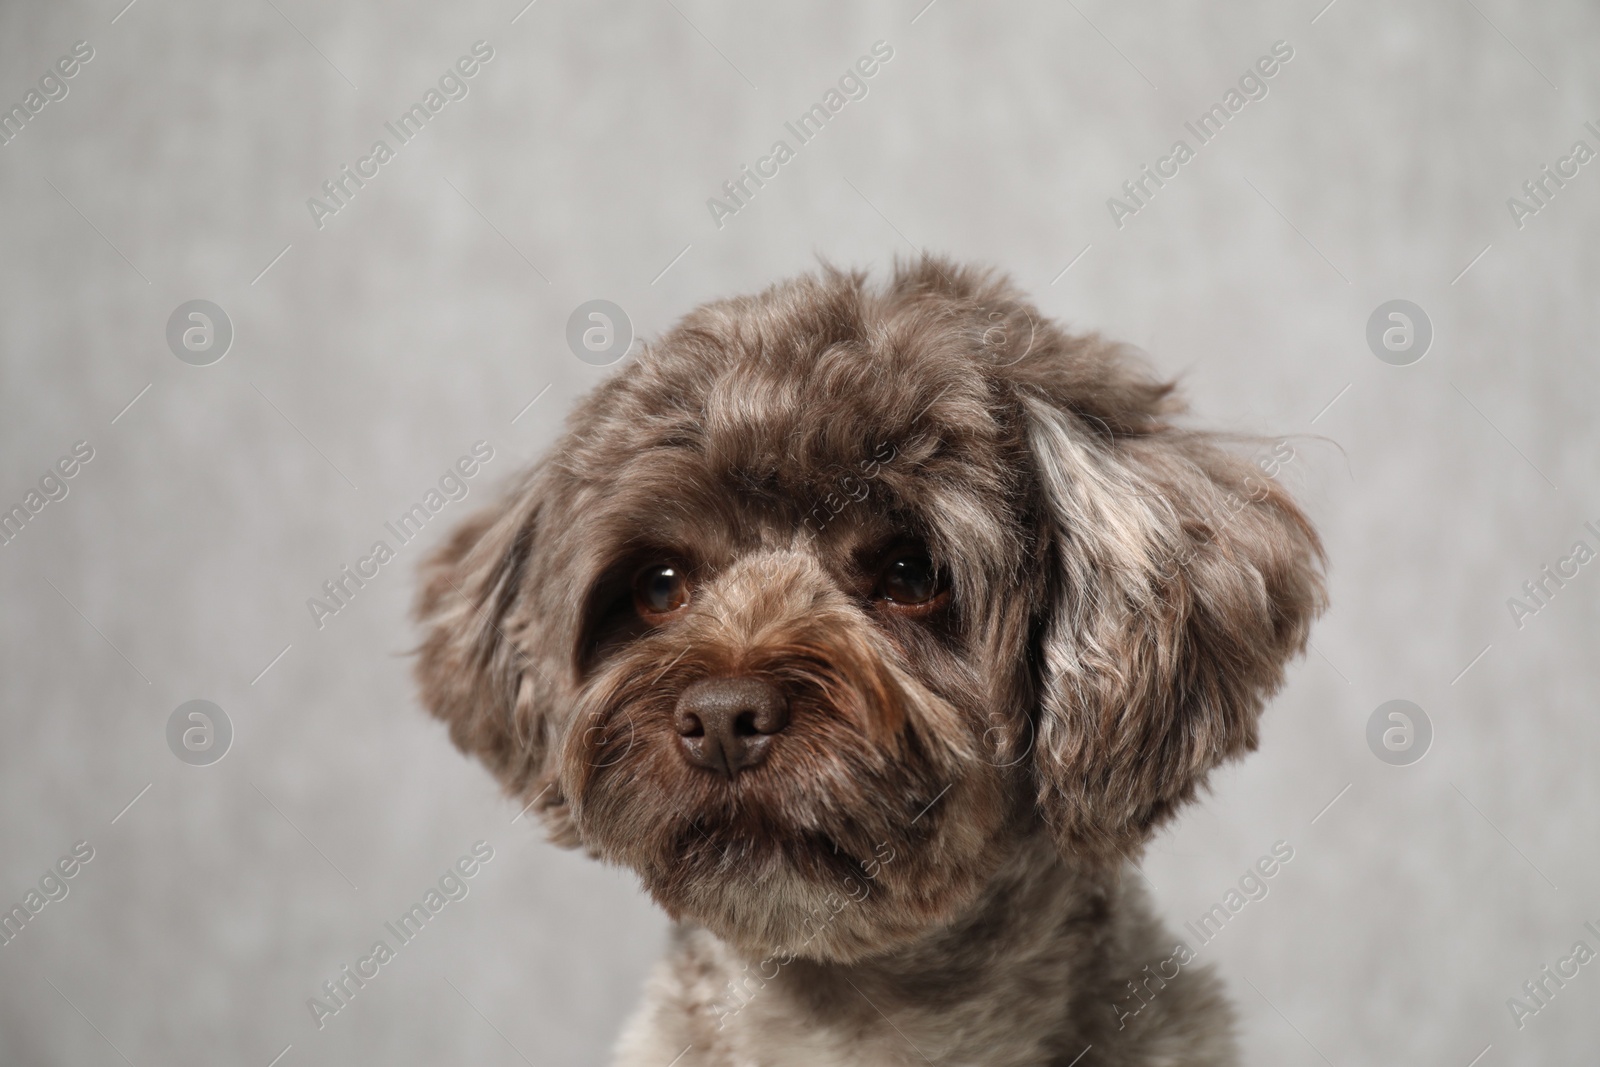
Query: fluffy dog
877,629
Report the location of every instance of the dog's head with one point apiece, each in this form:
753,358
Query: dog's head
838,594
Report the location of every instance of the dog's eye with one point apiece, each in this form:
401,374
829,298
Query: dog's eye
660,590
910,580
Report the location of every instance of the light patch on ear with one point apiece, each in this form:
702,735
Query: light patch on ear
1169,627
1100,503
1113,530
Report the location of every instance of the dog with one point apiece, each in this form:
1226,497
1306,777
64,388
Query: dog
877,628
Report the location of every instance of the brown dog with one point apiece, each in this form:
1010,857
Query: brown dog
877,630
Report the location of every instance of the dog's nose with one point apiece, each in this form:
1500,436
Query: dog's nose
726,724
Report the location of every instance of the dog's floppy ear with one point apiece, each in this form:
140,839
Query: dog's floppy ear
474,666
1182,578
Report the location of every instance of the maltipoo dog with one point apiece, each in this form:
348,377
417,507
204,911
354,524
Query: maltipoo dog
877,629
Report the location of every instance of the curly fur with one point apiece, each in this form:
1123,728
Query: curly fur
929,862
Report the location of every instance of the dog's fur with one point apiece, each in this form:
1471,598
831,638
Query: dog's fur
930,867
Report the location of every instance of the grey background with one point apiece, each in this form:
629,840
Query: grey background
432,309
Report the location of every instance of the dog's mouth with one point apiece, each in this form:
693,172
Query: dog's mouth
702,848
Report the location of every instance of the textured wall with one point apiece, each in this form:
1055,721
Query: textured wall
429,310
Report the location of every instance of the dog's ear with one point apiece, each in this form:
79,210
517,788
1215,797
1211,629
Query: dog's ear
474,665
1181,580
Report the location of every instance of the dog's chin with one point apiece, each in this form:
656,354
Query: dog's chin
823,907
839,896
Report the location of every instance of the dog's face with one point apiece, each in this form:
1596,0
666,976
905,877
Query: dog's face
836,595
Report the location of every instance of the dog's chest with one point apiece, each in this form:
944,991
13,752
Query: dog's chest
705,1008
